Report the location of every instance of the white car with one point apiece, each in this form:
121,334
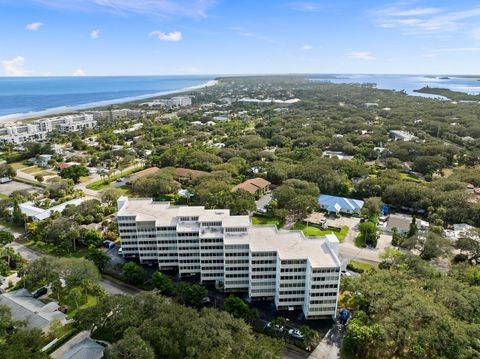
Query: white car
276,327
295,333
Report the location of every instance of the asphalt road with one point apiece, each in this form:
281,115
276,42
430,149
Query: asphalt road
112,286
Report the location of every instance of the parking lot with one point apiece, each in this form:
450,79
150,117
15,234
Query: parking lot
333,221
8,188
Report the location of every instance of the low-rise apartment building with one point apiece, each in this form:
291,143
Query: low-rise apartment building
294,271
39,129
177,101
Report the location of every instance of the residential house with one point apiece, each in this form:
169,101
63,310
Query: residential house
187,173
36,214
143,173
337,154
257,186
399,135
35,313
87,348
334,204
402,223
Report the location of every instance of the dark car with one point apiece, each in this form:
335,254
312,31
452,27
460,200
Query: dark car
39,292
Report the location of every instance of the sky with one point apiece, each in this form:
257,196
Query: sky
166,37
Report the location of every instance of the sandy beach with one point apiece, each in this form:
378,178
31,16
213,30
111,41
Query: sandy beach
18,117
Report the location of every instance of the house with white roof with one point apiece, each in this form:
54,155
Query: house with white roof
36,214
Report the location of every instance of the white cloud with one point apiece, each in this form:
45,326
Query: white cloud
189,8
475,33
307,47
94,34
167,36
15,67
393,11
421,21
79,72
361,55
240,31
34,26
454,50
307,6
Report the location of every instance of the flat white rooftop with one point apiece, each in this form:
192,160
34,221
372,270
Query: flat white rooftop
320,251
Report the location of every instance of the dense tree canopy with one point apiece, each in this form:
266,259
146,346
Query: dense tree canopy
147,323
410,310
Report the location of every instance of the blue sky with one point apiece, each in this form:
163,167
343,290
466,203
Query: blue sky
155,37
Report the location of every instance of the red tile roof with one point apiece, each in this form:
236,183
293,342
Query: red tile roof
252,185
187,172
146,172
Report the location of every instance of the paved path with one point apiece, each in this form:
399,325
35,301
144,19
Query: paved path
329,347
263,201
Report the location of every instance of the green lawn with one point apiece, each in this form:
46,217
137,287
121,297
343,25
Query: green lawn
46,173
17,165
359,267
91,301
31,170
12,226
410,178
50,249
124,190
260,219
310,230
313,231
3,196
105,183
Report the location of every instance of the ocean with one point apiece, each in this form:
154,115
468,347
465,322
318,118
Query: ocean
408,83
23,95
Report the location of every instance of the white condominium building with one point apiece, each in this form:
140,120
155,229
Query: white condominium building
38,130
294,271
177,101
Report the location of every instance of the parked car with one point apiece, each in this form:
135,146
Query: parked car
5,180
120,252
109,244
295,333
323,220
276,327
39,292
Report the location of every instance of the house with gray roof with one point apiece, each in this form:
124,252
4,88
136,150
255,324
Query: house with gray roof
33,312
85,349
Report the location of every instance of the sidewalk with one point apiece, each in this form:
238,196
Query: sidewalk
329,347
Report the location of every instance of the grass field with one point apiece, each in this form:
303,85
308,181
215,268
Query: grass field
17,165
105,183
50,249
32,169
91,301
11,226
261,219
124,190
311,231
410,178
359,267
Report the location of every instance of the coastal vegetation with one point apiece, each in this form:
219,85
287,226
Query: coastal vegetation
449,94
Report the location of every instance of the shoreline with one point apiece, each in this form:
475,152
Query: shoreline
19,117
